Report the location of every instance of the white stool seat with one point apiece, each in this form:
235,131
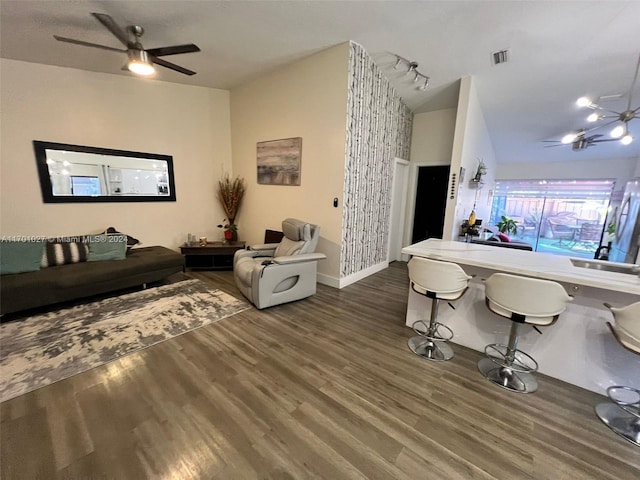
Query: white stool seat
522,300
627,326
438,281
539,302
447,281
622,415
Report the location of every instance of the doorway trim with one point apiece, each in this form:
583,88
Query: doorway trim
412,192
399,165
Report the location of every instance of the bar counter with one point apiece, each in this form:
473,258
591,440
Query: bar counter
579,348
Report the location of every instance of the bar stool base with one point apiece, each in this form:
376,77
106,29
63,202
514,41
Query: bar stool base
434,351
506,378
621,422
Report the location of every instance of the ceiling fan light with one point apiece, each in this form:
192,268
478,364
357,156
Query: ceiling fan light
583,102
139,63
627,139
569,138
594,117
617,132
139,68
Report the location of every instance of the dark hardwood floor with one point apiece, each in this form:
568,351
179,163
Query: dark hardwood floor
321,388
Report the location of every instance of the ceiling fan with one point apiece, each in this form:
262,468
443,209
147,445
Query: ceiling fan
622,119
141,60
579,141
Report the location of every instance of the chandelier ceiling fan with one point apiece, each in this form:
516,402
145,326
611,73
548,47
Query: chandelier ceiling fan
621,119
140,60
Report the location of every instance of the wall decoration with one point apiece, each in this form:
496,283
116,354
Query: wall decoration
378,129
83,174
279,161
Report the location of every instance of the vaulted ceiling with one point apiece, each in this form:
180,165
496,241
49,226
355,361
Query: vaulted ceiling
558,51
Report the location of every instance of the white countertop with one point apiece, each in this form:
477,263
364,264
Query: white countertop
532,264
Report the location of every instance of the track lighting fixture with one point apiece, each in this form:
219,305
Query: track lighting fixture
412,70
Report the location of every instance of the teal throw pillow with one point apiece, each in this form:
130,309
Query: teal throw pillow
19,257
106,247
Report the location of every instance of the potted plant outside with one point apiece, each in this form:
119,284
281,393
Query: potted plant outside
507,225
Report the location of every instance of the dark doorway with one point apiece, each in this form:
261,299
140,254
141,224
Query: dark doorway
431,200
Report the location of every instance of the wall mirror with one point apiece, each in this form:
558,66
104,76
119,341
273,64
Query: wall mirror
75,173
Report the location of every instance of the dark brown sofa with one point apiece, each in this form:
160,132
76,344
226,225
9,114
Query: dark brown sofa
22,291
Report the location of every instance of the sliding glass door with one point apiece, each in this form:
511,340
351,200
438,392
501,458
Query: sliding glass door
563,217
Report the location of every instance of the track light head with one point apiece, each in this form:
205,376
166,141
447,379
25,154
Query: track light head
412,69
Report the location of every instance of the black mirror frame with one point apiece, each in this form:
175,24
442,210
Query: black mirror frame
46,187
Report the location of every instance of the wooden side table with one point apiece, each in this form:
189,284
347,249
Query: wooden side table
215,256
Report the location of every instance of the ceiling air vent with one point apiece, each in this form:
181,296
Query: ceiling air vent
499,57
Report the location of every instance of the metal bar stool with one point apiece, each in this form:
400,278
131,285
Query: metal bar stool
438,281
623,415
522,300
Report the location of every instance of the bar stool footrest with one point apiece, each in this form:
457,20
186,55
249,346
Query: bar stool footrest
521,362
627,398
438,334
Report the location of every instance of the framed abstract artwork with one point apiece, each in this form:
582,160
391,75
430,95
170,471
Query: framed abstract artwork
279,161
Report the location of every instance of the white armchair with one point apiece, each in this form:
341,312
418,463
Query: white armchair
275,273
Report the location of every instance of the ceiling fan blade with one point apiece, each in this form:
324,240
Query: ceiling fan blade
113,27
559,145
633,84
616,119
86,44
173,50
171,66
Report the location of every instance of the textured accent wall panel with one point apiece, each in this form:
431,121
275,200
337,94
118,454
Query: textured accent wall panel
378,129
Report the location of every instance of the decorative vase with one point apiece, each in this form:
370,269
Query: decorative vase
228,235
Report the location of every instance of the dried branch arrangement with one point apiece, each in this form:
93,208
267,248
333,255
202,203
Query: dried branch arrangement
230,193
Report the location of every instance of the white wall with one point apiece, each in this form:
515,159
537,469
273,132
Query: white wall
432,137
306,99
41,102
471,142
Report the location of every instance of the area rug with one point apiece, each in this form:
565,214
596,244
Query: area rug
42,349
